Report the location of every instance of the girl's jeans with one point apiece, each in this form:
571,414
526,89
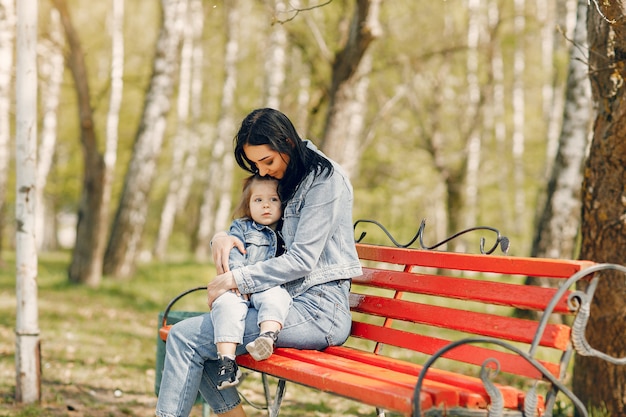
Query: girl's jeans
317,319
229,311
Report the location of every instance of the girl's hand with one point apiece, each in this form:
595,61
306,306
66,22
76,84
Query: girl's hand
221,245
219,285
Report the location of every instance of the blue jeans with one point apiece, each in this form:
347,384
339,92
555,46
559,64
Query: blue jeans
229,312
318,318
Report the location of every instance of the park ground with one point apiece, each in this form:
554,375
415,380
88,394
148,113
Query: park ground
98,345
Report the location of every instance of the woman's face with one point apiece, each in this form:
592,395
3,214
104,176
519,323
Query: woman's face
267,160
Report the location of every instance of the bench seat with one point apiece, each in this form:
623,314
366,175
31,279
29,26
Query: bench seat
439,333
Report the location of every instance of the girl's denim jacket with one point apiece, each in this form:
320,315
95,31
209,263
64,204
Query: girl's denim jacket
319,237
260,242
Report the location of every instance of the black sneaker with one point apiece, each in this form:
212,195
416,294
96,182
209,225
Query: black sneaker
262,347
228,373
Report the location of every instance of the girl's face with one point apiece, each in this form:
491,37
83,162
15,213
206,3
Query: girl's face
264,202
267,160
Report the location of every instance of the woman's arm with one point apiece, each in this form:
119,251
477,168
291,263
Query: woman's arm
221,245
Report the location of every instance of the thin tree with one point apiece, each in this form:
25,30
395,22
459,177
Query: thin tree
113,118
130,219
27,342
85,266
519,109
216,203
7,35
474,143
51,71
559,221
276,58
183,137
345,119
599,383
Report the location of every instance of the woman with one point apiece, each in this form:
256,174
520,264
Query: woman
316,268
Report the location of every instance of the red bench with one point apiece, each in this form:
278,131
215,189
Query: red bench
416,309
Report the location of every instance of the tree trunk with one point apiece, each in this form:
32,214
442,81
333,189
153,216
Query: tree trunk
7,34
558,223
86,256
474,143
125,239
183,136
51,71
276,58
519,116
27,342
216,204
113,119
348,90
597,382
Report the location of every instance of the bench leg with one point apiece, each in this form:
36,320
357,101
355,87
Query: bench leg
273,407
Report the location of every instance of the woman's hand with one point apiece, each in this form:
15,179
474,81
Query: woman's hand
219,285
221,245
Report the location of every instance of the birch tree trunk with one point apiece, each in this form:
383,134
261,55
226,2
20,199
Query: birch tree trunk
52,67
473,148
553,90
519,115
558,224
495,112
27,342
597,382
125,239
113,118
216,204
7,35
348,90
85,266
276,58
182,137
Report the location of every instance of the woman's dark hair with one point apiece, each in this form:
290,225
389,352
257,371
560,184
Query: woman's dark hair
271,127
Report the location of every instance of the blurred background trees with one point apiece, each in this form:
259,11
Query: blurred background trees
439,111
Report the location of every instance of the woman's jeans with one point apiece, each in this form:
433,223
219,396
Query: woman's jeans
317,319
229,312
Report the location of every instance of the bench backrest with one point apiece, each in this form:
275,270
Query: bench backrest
407,297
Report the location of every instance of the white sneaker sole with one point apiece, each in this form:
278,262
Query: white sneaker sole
261,348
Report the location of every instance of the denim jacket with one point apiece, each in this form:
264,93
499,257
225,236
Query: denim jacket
260,242
319,237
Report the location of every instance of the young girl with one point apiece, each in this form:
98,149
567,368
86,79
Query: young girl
257,218
315,269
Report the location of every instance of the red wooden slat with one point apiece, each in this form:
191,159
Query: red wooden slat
509,362
498,293
512,265
512,396
367,390
508,328
448,395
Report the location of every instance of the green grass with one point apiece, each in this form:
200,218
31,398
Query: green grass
97,341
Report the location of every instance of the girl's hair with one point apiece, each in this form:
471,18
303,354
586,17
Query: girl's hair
271,127
243,207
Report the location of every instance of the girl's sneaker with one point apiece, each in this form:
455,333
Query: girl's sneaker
263,346
228,373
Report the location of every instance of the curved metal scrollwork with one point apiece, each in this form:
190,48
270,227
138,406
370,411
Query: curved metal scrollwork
501,241
487,373
486,340
580,302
